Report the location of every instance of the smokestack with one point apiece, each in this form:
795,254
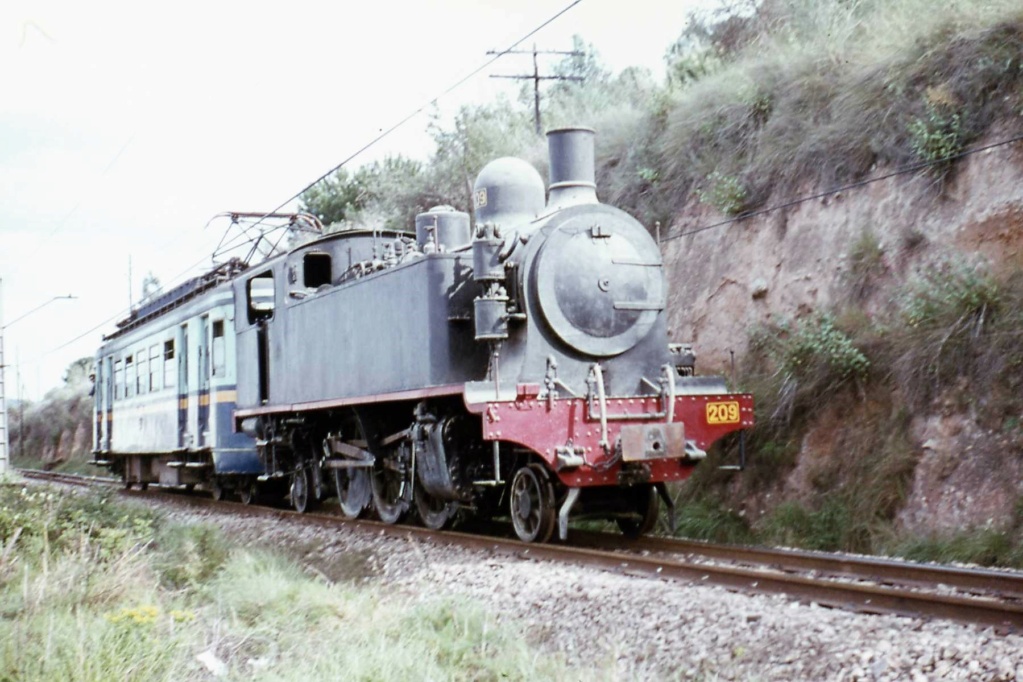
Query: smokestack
573,174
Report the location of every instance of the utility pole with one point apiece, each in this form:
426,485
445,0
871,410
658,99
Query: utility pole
3,402
536,77
21,411
4,440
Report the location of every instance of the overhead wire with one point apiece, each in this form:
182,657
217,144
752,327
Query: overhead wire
238,240
63,222
497,54
461,81
482,67
750,214
912,168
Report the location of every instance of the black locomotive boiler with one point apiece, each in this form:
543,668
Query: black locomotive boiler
520,367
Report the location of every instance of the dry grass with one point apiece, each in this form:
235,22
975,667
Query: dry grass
825,92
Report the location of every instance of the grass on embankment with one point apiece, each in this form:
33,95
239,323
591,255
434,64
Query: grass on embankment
93,589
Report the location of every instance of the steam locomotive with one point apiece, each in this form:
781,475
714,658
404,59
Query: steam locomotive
519,367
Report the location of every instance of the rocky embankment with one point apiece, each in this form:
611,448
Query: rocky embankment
791,264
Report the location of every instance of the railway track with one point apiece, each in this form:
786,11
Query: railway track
68,479
862,584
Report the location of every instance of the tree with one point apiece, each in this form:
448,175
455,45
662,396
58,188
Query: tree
77,373
337,197
710,40
585,64
383,194
479,134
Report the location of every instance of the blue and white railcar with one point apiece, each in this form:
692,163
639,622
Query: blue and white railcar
166,387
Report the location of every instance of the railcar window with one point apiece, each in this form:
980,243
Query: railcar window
169,366
118,380
315,270
141,371
129,376
261,297
155,368
219,367
109,389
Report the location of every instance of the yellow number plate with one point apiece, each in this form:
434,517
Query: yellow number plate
723,413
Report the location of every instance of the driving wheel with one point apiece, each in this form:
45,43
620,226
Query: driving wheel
389,486
301,490
532,504
354,490
434,512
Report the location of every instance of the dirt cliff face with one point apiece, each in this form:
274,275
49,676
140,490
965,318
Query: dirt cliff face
790,263
56,430
966,476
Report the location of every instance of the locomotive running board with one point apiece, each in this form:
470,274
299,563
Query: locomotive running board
397,396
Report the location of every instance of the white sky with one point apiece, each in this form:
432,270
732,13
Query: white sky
124,128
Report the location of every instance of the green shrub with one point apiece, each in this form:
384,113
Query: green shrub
950,292
804,365
949,314
189,555
42,523
816,346
987,547
937,136
724,192
711,521
793,525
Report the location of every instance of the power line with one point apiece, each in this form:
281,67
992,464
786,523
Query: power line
424,106
67,217
854,185
352,156
177,279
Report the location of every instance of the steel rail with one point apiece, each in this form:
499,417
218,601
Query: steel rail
876,569
1003,615
80,480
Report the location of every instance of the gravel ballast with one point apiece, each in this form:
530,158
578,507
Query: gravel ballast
643,628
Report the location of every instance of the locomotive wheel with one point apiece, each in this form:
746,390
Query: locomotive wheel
643,500
434,512
247,493
532,504
217,491
354,491
388,492
301,491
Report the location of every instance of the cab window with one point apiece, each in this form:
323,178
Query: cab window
260,293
